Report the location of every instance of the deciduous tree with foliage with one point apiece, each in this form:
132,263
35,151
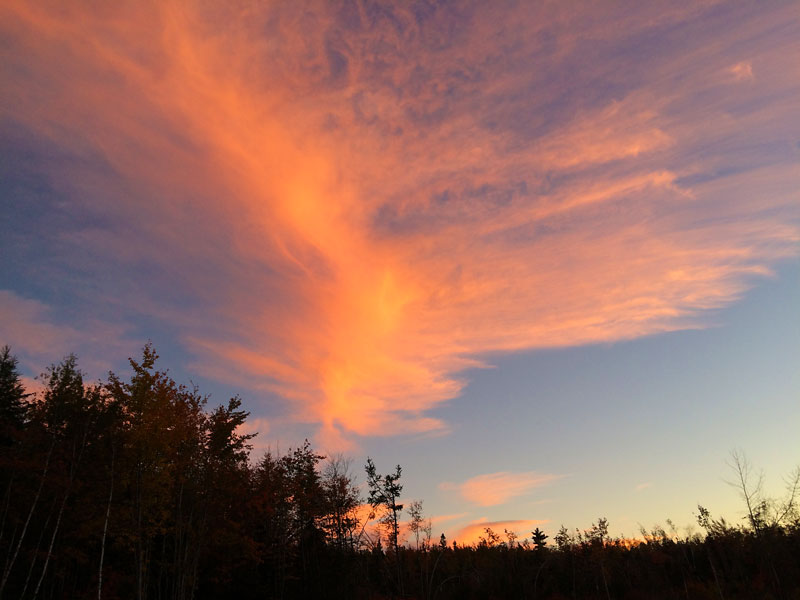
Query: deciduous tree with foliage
342,498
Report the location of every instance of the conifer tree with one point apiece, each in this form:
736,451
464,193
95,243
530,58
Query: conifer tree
384,492
12,394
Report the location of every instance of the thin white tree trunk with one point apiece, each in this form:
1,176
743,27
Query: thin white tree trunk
76,459
36,553
27,521
105,531
52,542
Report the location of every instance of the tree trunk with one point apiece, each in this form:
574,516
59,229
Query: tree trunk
76,459
28,520
36,552
139,540
52,542
105,531
7,504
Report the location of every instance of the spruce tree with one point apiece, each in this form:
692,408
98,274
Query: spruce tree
12,393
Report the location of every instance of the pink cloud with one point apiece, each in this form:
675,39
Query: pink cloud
492,489
37,339
26,325
742,71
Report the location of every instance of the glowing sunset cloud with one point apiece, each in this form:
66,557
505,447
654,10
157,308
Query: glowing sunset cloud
349,207
473,532
436,521
492,489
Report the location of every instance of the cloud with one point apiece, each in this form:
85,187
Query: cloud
26,326
474,531
742,71
349,210
435,521
35,337
492,489
643,486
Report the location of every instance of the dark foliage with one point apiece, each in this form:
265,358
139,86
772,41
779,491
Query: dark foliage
12,395
133,489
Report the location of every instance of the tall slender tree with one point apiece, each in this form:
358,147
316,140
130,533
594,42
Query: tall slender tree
384,491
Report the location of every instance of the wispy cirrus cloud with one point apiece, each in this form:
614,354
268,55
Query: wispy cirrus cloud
348,208
492,489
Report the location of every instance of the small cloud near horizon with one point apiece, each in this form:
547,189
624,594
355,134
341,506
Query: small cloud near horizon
474,531
492,489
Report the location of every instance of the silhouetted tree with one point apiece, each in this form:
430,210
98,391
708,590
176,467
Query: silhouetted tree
763,512
135,489
342,498
539,538
12,394
162,512
417,523
384,492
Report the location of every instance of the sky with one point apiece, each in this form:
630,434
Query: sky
543,255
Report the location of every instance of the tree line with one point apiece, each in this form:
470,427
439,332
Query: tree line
135,488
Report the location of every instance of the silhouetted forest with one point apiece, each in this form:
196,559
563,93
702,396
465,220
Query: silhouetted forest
135,488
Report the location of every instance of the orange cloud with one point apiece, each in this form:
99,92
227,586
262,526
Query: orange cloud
492,489
350,221
435,521
474,531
